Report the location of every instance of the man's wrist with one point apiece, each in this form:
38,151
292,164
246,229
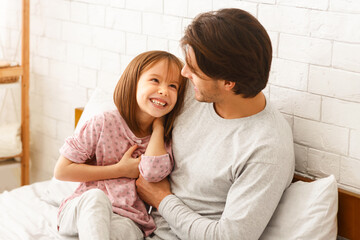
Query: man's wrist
161,197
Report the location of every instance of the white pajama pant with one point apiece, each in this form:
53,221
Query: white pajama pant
90,216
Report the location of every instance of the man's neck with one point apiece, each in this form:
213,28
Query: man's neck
235,106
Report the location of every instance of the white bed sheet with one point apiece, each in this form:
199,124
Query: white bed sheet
24,215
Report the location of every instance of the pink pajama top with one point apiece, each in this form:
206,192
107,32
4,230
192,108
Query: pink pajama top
103,140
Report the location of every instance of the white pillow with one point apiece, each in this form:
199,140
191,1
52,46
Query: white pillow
10,140
306,211
99,102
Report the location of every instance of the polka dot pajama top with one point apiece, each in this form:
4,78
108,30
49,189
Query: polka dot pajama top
103,140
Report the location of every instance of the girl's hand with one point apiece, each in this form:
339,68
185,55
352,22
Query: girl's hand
158,122
128,166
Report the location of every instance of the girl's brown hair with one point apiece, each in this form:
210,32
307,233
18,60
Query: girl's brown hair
231,44
125,90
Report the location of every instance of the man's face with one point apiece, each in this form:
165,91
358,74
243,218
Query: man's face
206,89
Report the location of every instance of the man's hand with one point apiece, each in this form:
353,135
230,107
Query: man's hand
153,193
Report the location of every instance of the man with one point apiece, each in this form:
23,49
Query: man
233,151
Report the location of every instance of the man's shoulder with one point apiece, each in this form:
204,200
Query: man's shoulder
269,136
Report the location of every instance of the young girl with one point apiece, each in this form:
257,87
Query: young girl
111,149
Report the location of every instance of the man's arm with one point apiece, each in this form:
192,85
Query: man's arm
250,203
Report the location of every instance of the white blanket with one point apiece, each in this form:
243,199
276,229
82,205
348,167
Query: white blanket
24,215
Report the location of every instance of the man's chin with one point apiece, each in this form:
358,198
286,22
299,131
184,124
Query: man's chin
201,99
198,98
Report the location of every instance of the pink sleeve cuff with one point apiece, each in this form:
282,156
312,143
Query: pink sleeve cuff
155,168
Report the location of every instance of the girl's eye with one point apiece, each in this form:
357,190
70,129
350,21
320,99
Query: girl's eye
173,86
155,80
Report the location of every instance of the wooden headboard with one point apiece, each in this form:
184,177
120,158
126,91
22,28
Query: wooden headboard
349,204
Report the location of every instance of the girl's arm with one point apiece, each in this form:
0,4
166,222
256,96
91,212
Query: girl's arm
156,146
66,170
156,163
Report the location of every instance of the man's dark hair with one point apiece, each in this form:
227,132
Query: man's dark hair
231,44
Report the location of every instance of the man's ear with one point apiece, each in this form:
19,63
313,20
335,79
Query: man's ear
228,85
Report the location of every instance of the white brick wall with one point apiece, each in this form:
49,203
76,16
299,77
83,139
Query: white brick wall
346,6
322,163
354,150
334,83
346,56
305,49
79,45
289,74
338,112
283,19
321,136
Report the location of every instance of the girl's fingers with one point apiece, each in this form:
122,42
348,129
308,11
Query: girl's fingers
129,152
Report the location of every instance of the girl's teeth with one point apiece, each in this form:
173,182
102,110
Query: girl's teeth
157,102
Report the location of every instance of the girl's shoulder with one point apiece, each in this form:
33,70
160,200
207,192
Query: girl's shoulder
112,114
105,117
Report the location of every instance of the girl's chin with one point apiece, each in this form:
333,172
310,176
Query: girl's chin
158,114
156,111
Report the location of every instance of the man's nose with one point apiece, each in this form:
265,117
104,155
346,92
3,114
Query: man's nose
185,71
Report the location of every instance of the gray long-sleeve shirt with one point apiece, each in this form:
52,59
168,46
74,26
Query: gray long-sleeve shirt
229,174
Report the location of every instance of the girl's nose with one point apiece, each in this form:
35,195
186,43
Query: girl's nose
162,91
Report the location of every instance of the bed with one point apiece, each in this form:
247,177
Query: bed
309,208
25,214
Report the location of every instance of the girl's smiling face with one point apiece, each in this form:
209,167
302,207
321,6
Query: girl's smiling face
157,90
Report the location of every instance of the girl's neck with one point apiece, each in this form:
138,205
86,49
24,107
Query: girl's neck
142,133
145,125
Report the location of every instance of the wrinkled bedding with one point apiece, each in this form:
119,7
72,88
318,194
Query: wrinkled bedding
29,212
25,215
